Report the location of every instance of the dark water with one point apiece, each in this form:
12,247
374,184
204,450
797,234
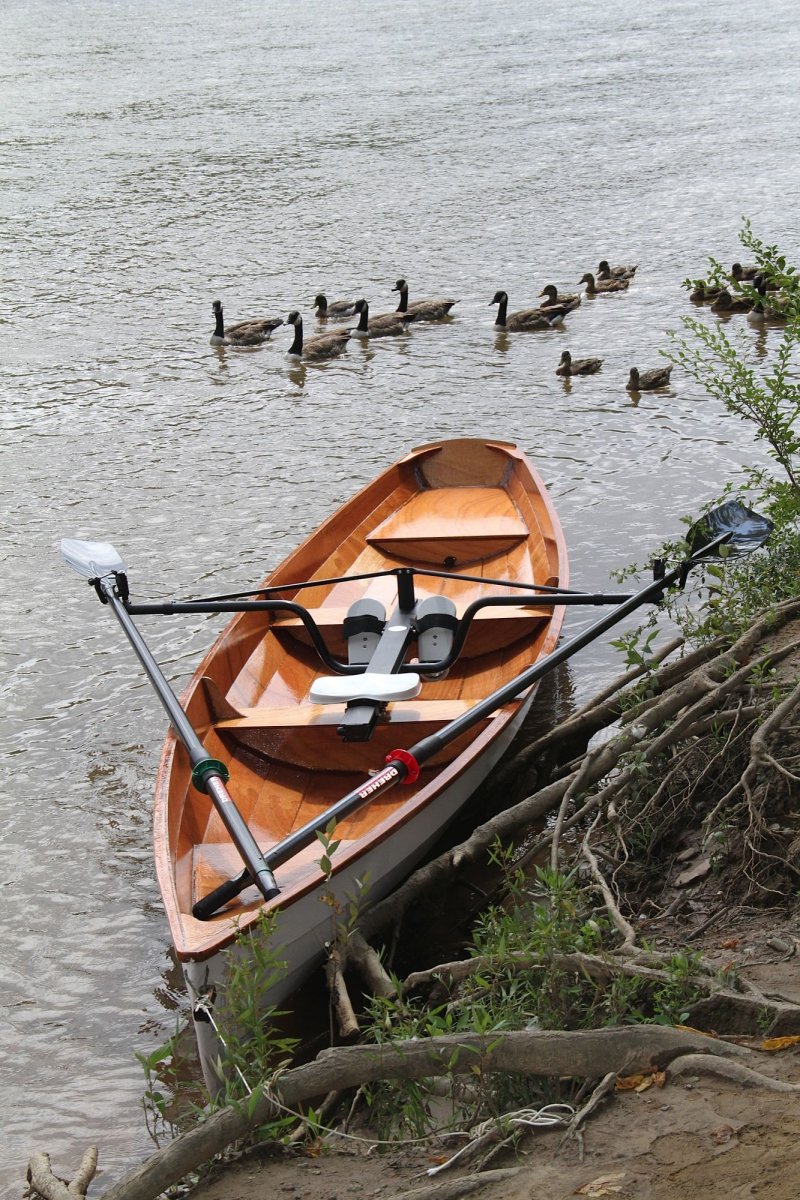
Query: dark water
159,155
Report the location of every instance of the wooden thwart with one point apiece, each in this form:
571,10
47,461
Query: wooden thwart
466,525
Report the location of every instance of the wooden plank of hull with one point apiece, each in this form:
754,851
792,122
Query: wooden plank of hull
249,698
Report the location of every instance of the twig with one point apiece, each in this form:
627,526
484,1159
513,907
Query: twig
574,1132
624,927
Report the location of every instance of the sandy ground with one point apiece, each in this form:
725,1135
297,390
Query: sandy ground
691,1138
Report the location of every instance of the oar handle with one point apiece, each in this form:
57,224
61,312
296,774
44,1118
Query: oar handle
205,909
256,870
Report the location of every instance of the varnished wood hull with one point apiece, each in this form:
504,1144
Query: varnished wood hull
472,508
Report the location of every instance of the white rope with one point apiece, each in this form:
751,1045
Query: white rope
202,1002
532,1118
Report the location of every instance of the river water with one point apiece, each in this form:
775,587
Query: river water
159,155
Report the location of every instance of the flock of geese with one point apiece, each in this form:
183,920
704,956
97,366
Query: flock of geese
549,314
746,289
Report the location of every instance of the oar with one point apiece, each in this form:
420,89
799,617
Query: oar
101,565
734,525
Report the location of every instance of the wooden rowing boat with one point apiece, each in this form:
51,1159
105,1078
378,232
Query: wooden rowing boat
435,597
453,523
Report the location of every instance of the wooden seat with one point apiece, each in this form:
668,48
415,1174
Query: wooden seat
311,716
307,736
451,525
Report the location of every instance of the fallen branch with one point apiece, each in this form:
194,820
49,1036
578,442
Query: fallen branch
346,1018
43,1182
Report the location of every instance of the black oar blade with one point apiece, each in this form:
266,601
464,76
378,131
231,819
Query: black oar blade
748,530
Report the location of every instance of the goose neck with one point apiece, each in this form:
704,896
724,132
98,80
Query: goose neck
297,345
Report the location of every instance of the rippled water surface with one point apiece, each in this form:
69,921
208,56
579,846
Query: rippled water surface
158,155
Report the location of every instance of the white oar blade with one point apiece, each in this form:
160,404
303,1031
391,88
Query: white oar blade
92,560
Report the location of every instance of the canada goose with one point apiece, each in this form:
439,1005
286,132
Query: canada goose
577,366
336,310
245,333
316,349
528,319
647,380
554,299
726,303
761,311
603,286
604,271
422,310
739,272
384,325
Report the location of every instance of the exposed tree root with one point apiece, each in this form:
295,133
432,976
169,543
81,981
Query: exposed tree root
455,1188
604,1089
702,1064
